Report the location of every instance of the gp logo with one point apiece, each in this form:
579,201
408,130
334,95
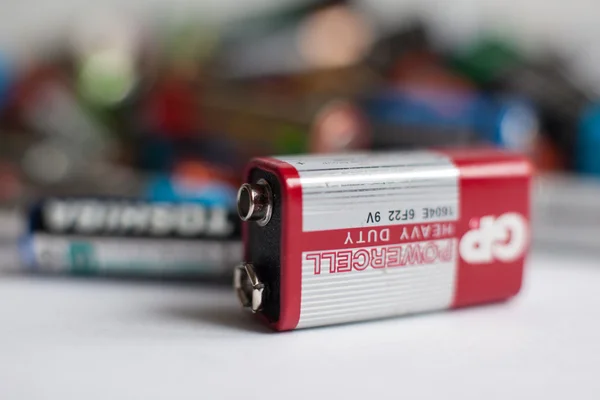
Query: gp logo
502,238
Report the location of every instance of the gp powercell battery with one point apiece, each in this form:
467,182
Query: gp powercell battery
339,238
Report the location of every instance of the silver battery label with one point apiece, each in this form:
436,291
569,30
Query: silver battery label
378,282
389,224
362,190
140,256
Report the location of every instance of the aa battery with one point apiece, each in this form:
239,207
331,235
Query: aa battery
566,213
71,142
117,236
269,123
391,47
328,35
486,60
416,117
559,100
587,142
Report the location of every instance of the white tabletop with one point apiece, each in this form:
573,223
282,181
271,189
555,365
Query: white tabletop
85,339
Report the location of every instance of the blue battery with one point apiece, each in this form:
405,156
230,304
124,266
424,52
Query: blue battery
437,118
166,188
7,79
587,143
511,123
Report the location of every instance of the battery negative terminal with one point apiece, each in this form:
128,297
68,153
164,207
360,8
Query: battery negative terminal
249,288
255,202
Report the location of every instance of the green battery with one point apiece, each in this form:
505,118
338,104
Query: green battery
260,123
486,60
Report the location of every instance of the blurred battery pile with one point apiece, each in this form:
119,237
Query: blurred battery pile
125,144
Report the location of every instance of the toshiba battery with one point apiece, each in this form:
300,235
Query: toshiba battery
124,237
332,239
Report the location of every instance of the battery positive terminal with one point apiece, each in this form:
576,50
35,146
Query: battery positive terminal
255,202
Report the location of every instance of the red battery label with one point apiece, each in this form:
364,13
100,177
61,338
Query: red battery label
365,236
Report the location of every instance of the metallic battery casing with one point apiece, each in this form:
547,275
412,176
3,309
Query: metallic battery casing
363,236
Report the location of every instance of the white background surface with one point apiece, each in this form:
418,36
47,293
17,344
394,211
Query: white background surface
64,339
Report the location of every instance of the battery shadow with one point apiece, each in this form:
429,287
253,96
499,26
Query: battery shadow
230,317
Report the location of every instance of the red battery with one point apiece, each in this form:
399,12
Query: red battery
332,239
